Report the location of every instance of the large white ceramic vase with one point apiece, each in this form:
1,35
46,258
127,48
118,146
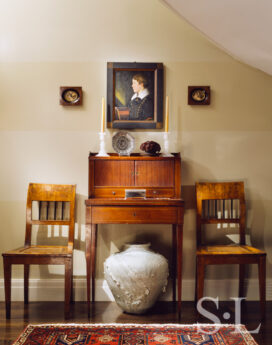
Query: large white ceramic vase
136,277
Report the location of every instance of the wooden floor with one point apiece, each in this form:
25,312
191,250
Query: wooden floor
108,312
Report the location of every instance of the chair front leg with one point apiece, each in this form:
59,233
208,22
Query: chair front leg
72,290
26,283
196,282
174,260
200,278
262,283
7,278
68,282
241,280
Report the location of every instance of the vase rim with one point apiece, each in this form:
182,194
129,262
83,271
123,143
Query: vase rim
145,245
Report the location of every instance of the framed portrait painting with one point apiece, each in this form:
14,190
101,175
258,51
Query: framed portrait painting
134,95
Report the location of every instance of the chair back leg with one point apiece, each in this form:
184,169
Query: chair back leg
7,278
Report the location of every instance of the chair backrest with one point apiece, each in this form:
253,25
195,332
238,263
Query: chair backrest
45,195
220,202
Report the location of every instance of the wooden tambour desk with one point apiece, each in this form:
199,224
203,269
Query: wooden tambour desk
136,189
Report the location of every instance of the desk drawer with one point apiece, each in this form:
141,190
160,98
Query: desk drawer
115,192
160,193
109,192
132,215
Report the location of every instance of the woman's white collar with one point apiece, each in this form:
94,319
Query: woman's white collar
142,94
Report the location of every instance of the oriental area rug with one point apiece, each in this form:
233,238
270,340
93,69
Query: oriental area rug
134,334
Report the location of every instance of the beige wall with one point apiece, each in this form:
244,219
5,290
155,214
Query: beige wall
47,44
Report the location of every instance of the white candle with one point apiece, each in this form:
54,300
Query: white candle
103,115
167,114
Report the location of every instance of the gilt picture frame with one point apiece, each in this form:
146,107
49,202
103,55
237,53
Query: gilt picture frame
134,95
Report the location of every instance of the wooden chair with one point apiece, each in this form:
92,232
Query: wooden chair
216,203
47,195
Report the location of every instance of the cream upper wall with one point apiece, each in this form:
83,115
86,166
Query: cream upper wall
46,44
91,30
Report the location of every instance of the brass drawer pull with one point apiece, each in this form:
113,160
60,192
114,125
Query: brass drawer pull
113,192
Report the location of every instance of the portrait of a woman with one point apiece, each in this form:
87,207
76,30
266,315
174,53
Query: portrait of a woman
141,104
134,96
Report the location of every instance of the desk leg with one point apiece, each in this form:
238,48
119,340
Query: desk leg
179,264
174,259
93,256
88,241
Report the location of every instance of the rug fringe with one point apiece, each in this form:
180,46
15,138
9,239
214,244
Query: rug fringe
138,324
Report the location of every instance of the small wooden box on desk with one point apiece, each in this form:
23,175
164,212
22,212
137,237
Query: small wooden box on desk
135,189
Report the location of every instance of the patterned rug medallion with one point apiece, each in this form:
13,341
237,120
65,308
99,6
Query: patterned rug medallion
132,334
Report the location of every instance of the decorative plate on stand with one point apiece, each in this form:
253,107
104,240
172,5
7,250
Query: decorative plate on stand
123,143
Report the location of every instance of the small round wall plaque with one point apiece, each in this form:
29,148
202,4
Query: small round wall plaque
70,95
199,95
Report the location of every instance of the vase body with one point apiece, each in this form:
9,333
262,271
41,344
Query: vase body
136,277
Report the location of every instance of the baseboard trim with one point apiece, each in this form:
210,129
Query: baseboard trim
53,290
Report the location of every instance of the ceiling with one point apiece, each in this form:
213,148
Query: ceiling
242,28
